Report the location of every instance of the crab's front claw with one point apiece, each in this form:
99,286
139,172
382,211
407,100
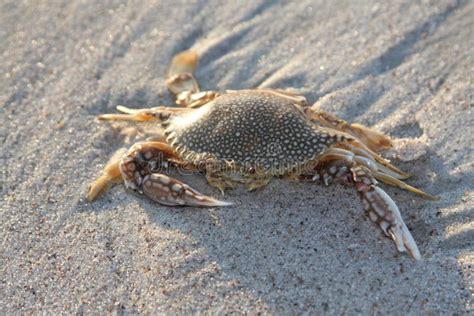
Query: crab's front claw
140,169
383,211
404,240
169,191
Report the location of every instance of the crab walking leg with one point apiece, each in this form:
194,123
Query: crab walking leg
159,113
377,170
361,149
376,141
181,82
380,208
110,175
195,100
397,183
296,98
139,169
179,77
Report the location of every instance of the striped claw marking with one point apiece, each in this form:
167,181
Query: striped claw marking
169,191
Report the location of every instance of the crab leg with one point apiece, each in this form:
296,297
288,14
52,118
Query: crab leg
376,141
110,175
296,98
160,113
397,183
362,150
380,208
181,82
379,171
139,169
180,73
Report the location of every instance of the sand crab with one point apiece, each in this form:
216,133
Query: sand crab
249,137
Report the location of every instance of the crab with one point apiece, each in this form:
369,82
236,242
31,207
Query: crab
249,137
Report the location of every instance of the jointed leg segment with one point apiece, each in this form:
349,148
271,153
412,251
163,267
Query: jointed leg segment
110,175
383,211
181,82
372,139
159,113
341,164
139,168
180,73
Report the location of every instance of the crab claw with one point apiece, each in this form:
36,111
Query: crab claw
169,191
139,169
383,211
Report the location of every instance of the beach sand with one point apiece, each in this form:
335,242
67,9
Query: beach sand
404,68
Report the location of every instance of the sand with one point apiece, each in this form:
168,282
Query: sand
293,248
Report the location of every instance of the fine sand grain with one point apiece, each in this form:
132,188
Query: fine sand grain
405,68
